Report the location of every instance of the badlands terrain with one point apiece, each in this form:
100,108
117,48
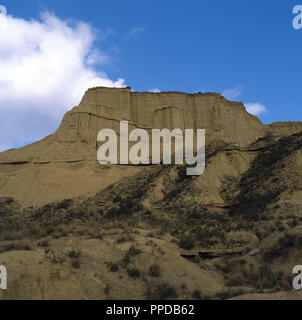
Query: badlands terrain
73,229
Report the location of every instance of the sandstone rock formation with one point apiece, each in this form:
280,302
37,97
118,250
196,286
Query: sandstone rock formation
150,232
64,165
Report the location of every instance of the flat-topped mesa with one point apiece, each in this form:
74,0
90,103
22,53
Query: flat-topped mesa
64,164
106,107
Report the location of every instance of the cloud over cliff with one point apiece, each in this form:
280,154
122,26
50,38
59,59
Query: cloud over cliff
45,66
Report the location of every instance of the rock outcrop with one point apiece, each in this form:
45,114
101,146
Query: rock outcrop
64,165
151,232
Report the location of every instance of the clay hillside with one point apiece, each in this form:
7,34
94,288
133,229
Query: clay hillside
73,229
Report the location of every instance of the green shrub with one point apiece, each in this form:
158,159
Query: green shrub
133,251
15,246
126,260
43,243
194,214
202,234
287,240
126,207
174,193
65,204
74,253
182,172
161,292
265,277
113,267
154,270
196,294
117,199
134,273
187,242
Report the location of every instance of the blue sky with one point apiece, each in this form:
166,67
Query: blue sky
247,50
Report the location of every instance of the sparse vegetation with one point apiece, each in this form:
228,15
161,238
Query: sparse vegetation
187,242
75,256
162,291
196,294
76,263
134,273
113,267
182,172
126,260
133,251
65,204
74,253
255,210
154,270
13,246
282,250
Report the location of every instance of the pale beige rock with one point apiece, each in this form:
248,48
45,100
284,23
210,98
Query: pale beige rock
64,164
37,275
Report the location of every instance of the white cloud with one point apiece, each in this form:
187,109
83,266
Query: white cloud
45,68
2,148
255,108
133,32
155,90
232,93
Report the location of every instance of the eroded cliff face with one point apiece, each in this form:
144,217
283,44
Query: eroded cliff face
106,107
240,222
64,164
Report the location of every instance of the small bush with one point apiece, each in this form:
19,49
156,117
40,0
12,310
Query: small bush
49,230
65,204
154,270
174,193
187,242
43,243
16,246
74,253
202,234
125,208
126,259
12,235
182,172
161,292
76,263
194,214
98,236
134,273
287,241
133,251
113,267
117,199
196,294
